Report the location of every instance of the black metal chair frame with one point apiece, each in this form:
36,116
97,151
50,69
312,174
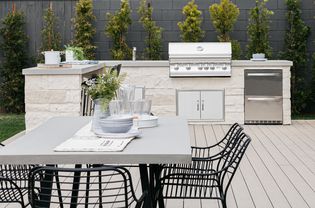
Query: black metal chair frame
10,192
41,196
207,177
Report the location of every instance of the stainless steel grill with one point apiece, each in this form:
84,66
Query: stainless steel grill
200,59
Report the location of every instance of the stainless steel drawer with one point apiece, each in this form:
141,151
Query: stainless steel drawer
263,109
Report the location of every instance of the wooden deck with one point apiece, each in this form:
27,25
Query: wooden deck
278,169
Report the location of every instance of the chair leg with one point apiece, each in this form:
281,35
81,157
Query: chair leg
223,201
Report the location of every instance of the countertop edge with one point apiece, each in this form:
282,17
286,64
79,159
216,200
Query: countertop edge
84,69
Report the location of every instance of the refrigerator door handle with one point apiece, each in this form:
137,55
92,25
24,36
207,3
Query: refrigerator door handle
264,98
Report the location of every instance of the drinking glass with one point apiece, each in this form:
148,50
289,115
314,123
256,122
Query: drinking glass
146,110
126,93
115,107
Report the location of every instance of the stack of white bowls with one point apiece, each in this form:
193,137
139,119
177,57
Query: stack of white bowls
116,124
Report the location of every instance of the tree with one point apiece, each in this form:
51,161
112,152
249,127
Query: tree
258,29
295,45
51,39
117,28
14,50
154,33
191,27
84,29
224,16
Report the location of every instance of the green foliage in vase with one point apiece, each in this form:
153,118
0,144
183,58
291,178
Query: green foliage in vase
295,45
117,28
224,16
77,52
84,29
154,33
191,27
104,86
258,30
14,51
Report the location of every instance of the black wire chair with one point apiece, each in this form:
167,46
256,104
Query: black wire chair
14,183
207,177
82,187
214,150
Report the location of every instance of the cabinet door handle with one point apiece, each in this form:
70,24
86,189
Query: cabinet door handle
202,105
198,105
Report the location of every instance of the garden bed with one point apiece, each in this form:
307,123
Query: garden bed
11,124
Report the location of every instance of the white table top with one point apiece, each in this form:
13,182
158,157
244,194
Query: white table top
167,143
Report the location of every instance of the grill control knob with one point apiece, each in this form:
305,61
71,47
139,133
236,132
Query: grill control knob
188,67
176,67
200,67
206,67
224,67
212,67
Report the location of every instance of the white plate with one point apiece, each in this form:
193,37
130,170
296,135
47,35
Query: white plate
149,122
133,132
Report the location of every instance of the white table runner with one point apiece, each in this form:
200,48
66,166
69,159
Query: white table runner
85,140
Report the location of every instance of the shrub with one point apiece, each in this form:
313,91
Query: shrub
51,39
224,16
14,49
191,27
117,28
154,37
84,29
258,29
295,45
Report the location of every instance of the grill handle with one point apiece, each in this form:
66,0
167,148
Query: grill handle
263,74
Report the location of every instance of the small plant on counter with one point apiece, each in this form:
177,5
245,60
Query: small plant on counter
117,28
104,86
84,29
295,49
78,53
258,29
14,51
154,37
191,27
224,16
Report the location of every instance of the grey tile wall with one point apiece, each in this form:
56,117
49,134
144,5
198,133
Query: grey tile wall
166,13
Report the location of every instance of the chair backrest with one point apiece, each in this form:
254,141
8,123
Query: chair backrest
232,134
87,104
81,187
231,159
116,68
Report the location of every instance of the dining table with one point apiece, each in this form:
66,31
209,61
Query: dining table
167,143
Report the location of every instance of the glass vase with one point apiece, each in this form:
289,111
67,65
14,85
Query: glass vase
100,112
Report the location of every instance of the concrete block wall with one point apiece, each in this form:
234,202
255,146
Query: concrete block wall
166,13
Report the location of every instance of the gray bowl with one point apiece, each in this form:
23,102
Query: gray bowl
114,127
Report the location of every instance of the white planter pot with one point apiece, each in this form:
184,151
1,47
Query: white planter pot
258,56
69,56
52,57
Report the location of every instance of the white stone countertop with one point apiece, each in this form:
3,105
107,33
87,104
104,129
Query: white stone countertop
83,69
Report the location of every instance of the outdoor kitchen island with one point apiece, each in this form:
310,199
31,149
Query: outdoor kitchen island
56,92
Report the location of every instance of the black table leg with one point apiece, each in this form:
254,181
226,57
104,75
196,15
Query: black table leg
145,183
46,187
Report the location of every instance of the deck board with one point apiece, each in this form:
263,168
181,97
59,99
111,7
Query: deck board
278,170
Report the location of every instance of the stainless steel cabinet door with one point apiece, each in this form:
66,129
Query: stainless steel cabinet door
212,105
188,104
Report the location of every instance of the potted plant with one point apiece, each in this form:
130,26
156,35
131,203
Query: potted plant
102,89
74,53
